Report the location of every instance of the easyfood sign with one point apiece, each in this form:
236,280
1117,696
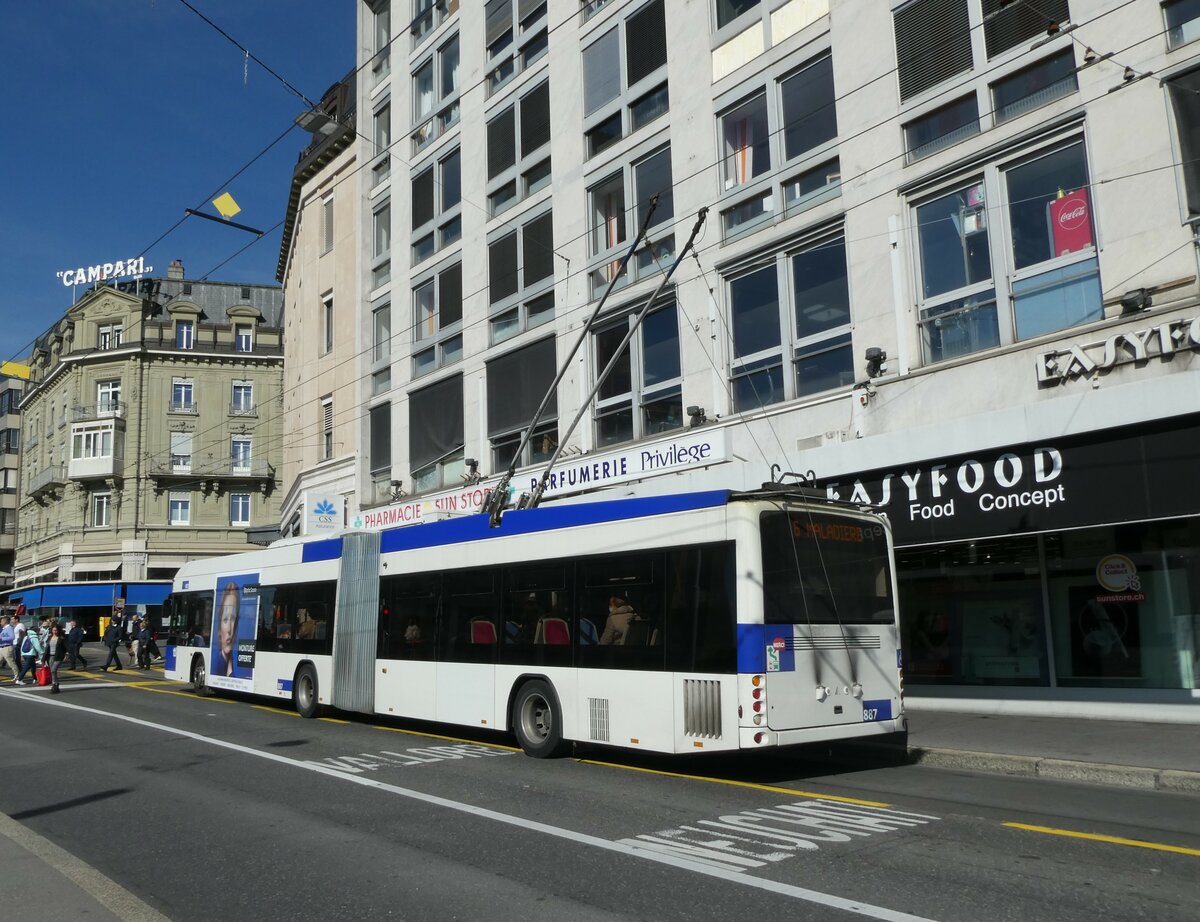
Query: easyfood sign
1156,342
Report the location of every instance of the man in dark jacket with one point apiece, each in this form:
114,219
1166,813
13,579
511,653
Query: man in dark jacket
112,640
75,658
143,636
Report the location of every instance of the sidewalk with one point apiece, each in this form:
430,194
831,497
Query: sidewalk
1155,756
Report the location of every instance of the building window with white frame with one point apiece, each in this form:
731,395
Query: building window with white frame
803,294
181,452
437,320
1183,22
179,509
184,332
101,510
779,147
1183,90
242,399
518,149
729,10
381,122
327,321
618,205
239,452
326,428
183,398
625,78
516,37
436,198
1049,275
108,398
243,338
516,383
642,395
428,15
91,441
435,94
239,509
381,40
109,335
521,277
381,245
435,434
381,325
326,224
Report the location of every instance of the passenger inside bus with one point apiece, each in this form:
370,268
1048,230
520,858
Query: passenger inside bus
619,628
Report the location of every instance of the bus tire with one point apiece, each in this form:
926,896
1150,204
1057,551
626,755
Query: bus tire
537,721
305,691
200,677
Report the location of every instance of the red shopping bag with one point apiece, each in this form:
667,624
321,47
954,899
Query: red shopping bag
43,675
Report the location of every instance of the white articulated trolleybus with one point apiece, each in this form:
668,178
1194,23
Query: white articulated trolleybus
681,623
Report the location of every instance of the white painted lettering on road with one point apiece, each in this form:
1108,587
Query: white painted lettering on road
373,761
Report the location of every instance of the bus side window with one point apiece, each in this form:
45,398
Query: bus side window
468,631
408,608
619,616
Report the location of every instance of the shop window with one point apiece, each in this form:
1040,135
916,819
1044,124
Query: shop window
625,78
436,211
1051,277
815,312
518,149
777,147
1183,21
435,434
642,395
516,384
435,94
618,205
437,320
516,37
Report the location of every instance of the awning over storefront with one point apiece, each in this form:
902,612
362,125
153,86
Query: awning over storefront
31,598
88,565
70,595
147,593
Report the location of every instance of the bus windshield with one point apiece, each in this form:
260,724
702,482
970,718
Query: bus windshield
819,568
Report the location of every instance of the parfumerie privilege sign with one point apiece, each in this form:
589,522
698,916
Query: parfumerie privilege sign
1112,475
123,268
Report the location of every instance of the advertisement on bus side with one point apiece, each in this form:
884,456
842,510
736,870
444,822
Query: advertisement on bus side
235,623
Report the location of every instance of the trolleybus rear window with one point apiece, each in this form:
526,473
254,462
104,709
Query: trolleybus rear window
820,568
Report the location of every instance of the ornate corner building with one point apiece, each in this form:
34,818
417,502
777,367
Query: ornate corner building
151,436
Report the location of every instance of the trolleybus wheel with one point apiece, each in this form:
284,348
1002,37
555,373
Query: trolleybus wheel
304,692
200,677
537,721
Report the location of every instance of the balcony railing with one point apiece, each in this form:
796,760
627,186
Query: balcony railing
102,409
201,468
236,409
47,479
181,406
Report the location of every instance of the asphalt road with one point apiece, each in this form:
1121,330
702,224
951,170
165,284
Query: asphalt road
223,808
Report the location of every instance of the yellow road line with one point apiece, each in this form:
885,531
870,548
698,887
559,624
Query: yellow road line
439,736
146,686
791,792
334,720
1112,840
265,707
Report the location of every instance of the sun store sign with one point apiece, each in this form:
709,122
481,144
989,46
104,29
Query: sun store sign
1157,342
103,272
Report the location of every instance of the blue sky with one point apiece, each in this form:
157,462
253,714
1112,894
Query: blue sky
122,113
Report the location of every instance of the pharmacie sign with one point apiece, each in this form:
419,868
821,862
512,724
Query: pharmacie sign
1110,475
690,451
1157,342
103,272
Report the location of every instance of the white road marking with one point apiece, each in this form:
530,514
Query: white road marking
856,907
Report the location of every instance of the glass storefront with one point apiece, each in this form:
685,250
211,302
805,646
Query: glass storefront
1112,606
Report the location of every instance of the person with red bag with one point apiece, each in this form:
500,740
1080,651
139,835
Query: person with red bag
56,652
32,651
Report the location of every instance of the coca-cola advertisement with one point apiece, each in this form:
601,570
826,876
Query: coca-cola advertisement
1071,223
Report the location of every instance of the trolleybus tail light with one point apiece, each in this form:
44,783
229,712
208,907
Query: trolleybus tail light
757,693
759,737
756,681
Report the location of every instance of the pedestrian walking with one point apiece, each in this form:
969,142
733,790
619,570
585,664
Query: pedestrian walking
143,643
32,652
133,642
75,647
56,652
112,640
7,646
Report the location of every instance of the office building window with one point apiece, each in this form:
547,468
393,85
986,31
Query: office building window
1049,277
618,206
521,278
625,78
326,428
379,458
1035,86
437,320
327,321
1184,93
381,121
436,198
941,128
642,396
101,510
179,507
516,384
518,149
516,37
428,15
381,245
381,40
381,324
1007,25
182,396
435,94
435,434
239,509
326,224
729,10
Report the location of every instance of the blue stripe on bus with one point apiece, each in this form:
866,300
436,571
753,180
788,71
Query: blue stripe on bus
329,549
549,518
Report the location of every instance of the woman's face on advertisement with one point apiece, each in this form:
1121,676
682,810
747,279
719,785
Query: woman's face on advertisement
229,616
